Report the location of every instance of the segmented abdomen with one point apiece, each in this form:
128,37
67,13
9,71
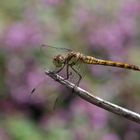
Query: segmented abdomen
93,60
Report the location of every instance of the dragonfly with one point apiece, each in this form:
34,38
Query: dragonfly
72,58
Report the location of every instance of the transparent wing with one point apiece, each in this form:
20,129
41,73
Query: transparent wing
78,73
69,96
48,53
44,55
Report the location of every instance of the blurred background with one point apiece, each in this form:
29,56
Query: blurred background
106,29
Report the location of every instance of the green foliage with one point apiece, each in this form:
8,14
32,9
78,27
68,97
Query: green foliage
22,129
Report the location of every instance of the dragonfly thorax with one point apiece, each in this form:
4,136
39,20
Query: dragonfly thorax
59,61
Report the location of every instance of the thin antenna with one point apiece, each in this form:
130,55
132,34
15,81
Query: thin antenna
45,45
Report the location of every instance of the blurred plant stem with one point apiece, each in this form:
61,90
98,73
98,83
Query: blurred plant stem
96,100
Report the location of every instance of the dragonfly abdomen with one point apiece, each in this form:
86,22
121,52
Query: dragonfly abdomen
93,60
118,64
90,60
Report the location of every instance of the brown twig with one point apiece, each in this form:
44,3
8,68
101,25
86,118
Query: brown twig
96,100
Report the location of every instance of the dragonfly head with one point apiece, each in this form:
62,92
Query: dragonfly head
59,61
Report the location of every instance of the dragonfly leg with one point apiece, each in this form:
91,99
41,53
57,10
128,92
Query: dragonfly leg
67,72
57,71
80,77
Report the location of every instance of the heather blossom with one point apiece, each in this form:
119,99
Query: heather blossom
22,34
53,2
111,136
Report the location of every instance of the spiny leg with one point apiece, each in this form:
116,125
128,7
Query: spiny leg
57,71
80,77
67,72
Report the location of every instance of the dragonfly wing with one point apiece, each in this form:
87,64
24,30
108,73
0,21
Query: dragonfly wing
48,53
64,100
77,73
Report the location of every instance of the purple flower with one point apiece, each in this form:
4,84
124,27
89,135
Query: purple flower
98,117
3,134
17,35
130,8
111,136
21,35
113,37
117,36
34,78
21,94
131,135
53,2
81,16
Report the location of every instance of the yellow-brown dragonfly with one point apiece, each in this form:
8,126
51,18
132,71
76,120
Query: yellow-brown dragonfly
72,58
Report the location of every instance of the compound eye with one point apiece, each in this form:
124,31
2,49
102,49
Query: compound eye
58,61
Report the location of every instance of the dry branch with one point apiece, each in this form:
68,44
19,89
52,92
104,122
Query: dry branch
96,100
